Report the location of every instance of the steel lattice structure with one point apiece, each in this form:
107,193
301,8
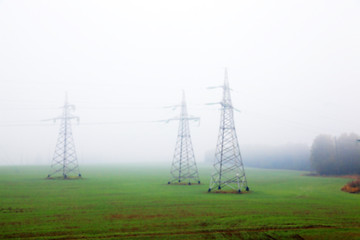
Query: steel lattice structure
183,168
64,162
228,164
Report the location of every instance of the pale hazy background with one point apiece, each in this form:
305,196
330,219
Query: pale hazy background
294,65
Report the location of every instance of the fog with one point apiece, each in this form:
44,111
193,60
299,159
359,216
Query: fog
294,67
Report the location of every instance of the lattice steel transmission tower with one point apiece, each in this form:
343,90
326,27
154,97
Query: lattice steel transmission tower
183,168
64,163
228,164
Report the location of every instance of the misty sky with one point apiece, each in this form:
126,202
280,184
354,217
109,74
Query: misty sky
294,67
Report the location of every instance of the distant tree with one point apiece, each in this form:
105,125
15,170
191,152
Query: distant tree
331,155
323,154
292,156
348,154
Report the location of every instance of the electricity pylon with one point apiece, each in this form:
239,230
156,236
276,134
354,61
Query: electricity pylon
64,163
229,168
183,168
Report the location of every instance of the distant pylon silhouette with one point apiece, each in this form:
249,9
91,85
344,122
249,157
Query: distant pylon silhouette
183,168
64,163
229,168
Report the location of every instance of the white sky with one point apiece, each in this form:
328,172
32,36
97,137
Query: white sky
294,65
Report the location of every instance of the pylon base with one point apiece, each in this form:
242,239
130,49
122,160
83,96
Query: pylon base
228,191
62,178
184,183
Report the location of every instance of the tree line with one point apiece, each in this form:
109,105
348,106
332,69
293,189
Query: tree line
336,155
293,156
328,155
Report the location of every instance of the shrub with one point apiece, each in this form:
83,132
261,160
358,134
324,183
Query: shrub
352,187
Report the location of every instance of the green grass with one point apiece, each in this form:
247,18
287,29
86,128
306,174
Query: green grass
135,202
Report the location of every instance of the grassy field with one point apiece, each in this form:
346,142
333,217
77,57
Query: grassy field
136,203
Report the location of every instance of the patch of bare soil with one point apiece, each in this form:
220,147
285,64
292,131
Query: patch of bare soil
153,235
215,231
